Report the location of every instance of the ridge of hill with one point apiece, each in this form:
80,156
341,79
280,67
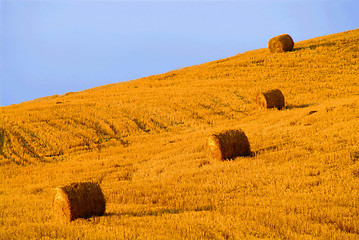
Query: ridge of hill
144,141
200,96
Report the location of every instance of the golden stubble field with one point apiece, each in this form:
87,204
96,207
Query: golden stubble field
145,141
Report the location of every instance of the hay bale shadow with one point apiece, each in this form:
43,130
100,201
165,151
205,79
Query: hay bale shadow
291,106
160,212
266,149
314,46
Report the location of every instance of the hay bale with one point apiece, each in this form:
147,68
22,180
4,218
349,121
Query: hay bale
271,99
281,43
78,200
229,144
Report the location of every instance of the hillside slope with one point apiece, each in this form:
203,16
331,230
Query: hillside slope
199,96
145,141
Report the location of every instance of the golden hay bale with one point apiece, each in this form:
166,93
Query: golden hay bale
229,144
281,43
271,99
78,200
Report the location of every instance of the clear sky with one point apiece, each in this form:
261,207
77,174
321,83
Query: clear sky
50,47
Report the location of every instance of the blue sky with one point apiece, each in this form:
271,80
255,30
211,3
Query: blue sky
57,46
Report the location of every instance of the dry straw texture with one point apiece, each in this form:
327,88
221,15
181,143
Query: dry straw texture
271,99
78,200
281,43
229,144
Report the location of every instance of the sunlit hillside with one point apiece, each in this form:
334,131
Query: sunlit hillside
145,141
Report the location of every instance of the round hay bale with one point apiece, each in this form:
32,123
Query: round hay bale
271,99
78,200
281,43
229,144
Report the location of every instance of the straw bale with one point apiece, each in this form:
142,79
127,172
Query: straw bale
281,43
78,200
271,99
229,144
